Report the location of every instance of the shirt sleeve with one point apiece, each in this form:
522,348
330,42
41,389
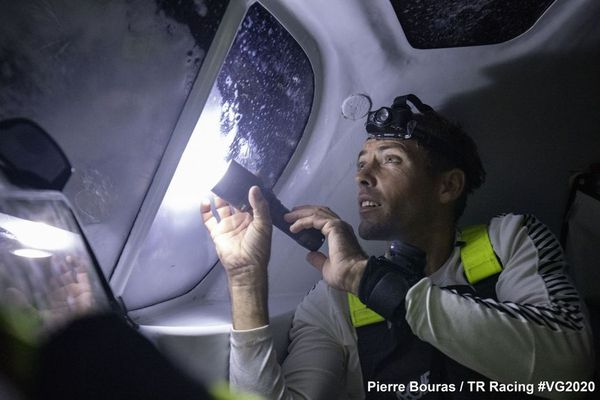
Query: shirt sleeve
536,330
317,364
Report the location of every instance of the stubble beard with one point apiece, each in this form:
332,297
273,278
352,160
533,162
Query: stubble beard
375,230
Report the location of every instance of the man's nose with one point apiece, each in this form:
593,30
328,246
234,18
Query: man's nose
365,177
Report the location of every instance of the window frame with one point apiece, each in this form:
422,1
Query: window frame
182,132
198,96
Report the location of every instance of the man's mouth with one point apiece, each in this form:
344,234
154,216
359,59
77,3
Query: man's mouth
369,204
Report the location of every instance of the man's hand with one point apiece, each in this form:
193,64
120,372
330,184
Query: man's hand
62,294
242,240
346,263
243,243
70,293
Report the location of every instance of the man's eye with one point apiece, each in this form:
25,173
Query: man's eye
360,165
392,160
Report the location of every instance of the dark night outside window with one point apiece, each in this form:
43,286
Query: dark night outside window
268,82
430,24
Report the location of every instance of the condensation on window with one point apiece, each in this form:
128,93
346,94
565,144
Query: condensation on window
256,113
202,17
436,24
267,87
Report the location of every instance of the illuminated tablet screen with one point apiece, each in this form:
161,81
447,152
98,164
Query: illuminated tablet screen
47,272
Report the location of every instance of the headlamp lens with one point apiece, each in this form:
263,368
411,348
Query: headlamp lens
382,116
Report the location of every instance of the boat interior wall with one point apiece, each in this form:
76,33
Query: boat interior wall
108,80
533,95
121,85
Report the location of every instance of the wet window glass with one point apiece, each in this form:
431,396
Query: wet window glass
432,24
255,114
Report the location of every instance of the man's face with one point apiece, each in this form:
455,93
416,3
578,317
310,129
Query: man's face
396,194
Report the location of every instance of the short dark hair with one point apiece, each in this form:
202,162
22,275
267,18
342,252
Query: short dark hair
454,148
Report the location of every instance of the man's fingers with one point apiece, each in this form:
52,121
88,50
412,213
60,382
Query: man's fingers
307,223
307,211
305,207
316,259
305,217
324,222
224,223
219,202
259,205
224,211
204,206
222,208
207,216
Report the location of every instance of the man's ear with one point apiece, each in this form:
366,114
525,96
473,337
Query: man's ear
451,185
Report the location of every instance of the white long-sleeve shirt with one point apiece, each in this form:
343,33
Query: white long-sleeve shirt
535,331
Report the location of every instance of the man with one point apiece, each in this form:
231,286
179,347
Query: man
413,173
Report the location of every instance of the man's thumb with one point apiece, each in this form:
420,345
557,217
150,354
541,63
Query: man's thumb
259,204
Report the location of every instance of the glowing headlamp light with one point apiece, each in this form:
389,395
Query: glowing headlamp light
233,188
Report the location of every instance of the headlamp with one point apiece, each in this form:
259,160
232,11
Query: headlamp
398,120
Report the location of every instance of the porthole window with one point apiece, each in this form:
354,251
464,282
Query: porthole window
432,24
256,113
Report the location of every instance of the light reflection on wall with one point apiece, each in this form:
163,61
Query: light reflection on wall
203,161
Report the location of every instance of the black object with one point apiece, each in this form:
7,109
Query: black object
397,121
101,357
384,284
233,188
587,182
30,158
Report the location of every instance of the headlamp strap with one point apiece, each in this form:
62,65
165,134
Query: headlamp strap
415,101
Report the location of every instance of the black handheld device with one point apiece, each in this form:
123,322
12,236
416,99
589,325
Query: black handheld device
233,188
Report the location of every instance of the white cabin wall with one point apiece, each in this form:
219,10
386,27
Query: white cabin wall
527,102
